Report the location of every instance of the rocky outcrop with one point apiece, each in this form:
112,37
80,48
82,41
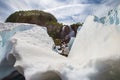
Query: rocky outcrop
40,18
33,17
55,29
75,27
65,31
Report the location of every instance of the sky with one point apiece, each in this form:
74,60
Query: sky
66,11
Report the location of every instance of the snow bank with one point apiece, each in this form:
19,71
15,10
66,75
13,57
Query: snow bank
32,48
7,30
95,41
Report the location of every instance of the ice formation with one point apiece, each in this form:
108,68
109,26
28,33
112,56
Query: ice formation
113,17
71,42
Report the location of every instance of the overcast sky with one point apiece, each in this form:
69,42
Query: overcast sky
66,11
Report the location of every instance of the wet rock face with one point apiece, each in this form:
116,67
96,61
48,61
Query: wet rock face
49,75
75,28
65,31
15,75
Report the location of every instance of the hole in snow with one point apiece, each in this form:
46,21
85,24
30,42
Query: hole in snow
20,69
48,75
11,59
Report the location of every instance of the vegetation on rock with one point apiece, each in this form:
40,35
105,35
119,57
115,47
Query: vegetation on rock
32,16
75,26
40,18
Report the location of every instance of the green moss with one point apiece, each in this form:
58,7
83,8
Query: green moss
75,26
54,29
